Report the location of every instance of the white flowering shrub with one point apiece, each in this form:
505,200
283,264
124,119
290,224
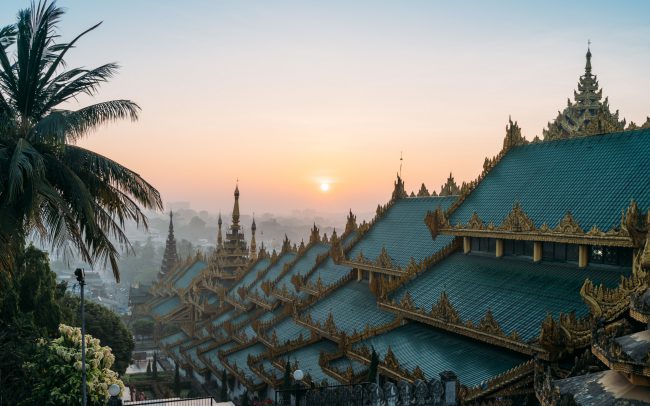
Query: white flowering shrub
56,370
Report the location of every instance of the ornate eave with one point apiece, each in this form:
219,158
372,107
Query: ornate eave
235,303
235,370
184,350
611,353
346,377
389,366
639,307
444,317
517,225
255,364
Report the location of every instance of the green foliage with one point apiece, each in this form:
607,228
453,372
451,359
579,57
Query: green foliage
149,368
372,370
28,310
104,325
55,370
73,197
143,327
244,399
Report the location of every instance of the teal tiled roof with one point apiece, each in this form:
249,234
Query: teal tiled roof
403,233
240,358
212,356
250,276
166,306
189,274
343,363
271,369
594,177
329,272
307,358
434,351
287,329
352,306
348,239
303,265
519,292
273,272
193,356
174,338
223,317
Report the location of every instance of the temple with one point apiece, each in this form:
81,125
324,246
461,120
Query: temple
528,284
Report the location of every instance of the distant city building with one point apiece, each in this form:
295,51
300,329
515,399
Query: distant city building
530,283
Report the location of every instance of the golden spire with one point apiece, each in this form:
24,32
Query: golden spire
253,243
235,210
219,237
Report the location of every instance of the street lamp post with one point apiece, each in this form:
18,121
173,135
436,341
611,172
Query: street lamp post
81,278
297,376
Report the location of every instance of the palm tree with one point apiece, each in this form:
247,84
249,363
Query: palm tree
71,197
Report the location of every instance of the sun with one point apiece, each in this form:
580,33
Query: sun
324,187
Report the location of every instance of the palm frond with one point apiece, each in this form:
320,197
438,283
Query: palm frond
26,163
69,126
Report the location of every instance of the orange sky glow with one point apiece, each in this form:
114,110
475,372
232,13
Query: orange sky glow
286,95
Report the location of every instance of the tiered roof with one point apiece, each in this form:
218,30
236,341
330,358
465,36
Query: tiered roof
401,284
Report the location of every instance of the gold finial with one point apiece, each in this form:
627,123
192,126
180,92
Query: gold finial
400,163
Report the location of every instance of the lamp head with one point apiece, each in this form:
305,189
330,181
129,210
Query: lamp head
114,389
298,375
80,274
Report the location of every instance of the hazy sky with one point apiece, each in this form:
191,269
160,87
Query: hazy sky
285,95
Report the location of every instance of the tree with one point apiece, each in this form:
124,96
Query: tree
223,396
286,384
74,198
154,366
372,370
104,325
177,381
54,372
149,368
144,327
29,309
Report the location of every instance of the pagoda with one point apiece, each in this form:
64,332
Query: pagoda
170,258
587,114
231,254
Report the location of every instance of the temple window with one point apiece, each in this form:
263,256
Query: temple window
483,244
553,251
619,256
518,248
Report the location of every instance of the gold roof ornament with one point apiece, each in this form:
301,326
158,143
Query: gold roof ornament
513,136
450,188
423,192
587,114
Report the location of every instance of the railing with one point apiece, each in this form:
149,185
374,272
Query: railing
337,395
206,401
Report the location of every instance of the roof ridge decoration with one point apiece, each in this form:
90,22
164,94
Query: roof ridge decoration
351,224
390,366
513,136
631,232
398,191
413,269
444,316
347,377
587,115
314,237
424,192
450,188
